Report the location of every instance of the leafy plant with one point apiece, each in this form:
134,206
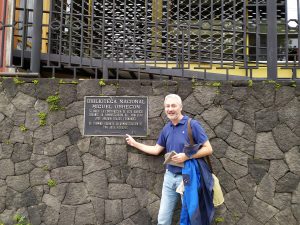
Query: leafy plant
42,116
35,82
216,84
61,81
53,101
20,220
1,223
250,83
51,183
17,81
101,82
23,128
293,84
219,220
45,168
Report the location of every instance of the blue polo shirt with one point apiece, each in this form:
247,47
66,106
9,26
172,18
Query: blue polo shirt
173,138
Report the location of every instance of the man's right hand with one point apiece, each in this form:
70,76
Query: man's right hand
130,140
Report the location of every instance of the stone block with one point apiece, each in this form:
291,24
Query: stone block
120,191
39,176
266,147
92,163
23,102
96,184
285,138
21,152
67,174
130,206
57,146
116,154
18,183
292,158
288,183
266,119
113,211
6,168
261,210
64,127
66,215
76,194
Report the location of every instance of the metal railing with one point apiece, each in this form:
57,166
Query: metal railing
187,38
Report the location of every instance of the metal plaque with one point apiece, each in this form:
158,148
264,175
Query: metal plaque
115,115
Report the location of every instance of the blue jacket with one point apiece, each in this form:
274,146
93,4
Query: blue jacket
197,202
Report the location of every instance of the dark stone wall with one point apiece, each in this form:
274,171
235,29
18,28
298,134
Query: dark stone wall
53,175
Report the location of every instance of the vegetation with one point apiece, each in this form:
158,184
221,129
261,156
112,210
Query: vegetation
216,84
17,81
51,183
219,220
250,83
61,81
53,101
20,220
35,82
42,116
101,82
23,128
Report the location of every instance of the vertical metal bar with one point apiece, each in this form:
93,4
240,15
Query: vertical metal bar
298,53
2,33
10,35
167,34
24,33
134,32
245,27
124,33
50,32
272,39
177,34
286,33
145,37
105,75
257,33
36,36
81,32
222,33
70,32
92,33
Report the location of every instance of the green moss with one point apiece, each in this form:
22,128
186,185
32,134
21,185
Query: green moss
45,168
35,82
219,219
51,183
216,84
293,84
250,83
17,81
43,117
20,220
23,128
53,101
101,82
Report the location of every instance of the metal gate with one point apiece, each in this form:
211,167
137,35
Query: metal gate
177,37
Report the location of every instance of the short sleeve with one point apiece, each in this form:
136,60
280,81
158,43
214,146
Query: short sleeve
199,134
162,139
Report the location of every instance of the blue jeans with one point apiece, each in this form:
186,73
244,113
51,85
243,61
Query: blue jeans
169,198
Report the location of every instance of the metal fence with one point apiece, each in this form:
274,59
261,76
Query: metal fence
189,38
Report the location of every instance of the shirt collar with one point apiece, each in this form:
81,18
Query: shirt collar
182,121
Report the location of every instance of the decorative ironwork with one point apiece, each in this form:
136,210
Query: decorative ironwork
162,35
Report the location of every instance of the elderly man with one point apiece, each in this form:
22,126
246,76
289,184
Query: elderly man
173,137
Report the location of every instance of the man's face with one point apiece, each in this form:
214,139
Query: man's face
173,109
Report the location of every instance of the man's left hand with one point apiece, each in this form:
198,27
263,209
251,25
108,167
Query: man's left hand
179,158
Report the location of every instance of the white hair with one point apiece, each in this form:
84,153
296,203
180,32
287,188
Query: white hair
174,96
